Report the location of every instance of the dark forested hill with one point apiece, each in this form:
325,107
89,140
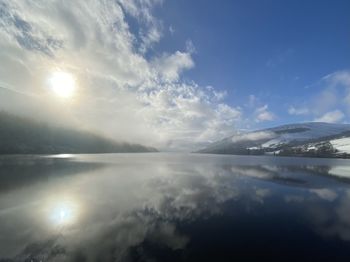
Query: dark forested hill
26,136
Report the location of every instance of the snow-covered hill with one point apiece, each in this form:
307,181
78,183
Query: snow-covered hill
310,139
341,144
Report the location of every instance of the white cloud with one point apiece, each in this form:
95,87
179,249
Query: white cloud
331,103
336,92
339,78
331,117
121,92
169,67
298,111
263,114
190,48
325,101
150,28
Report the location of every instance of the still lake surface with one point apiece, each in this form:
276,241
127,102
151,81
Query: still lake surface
173,207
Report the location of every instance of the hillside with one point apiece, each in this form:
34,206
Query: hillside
26,136
313,139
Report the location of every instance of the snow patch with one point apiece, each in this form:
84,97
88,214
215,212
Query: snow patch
342,144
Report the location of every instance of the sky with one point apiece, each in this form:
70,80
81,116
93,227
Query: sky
175,74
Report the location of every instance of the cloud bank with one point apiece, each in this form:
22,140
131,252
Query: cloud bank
122,90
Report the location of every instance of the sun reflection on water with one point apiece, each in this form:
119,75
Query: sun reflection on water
63,213
62,156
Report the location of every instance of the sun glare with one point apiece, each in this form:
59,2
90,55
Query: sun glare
63,213
63,84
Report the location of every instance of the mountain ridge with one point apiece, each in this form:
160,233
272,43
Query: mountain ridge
315,139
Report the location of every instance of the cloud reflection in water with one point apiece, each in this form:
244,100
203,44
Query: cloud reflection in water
129,206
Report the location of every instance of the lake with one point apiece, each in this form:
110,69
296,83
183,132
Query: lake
173,207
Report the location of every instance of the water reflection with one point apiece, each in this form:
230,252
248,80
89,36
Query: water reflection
340,171
22,171
61,156
170,207
63,212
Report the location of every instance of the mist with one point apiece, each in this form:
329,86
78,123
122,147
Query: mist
123,88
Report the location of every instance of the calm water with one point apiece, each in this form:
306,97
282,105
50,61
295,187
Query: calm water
173,207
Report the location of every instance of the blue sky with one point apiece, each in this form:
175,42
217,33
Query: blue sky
176,75
274,50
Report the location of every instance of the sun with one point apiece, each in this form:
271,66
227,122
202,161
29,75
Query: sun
63,84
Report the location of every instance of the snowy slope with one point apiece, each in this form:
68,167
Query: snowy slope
342,144
309,136
308,131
